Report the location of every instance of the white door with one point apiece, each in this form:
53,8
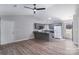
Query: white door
7,31
57,32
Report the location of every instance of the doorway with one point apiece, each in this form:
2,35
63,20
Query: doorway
69,28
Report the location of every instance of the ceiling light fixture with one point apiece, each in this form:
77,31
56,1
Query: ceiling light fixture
49,18
34,10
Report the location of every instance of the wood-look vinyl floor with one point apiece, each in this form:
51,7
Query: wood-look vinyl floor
40,47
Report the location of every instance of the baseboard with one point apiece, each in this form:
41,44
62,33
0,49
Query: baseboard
14,41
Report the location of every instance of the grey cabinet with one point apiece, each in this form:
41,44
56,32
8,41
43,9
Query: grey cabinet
41,35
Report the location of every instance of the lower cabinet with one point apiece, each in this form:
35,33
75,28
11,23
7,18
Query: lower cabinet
41,35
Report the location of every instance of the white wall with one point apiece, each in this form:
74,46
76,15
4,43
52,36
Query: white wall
75,30
0,30
24,27
16,28
76,27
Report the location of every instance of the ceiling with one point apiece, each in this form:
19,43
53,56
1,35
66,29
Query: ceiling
9,9
62,11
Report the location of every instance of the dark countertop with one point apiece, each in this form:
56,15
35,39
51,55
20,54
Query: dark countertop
44,31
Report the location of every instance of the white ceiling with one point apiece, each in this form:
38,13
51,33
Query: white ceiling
62,11
9,9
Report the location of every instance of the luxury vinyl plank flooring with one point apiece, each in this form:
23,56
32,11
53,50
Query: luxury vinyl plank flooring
40,47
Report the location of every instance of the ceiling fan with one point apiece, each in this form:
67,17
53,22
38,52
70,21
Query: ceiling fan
35,8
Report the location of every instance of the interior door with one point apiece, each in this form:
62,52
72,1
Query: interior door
10,30
7,31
